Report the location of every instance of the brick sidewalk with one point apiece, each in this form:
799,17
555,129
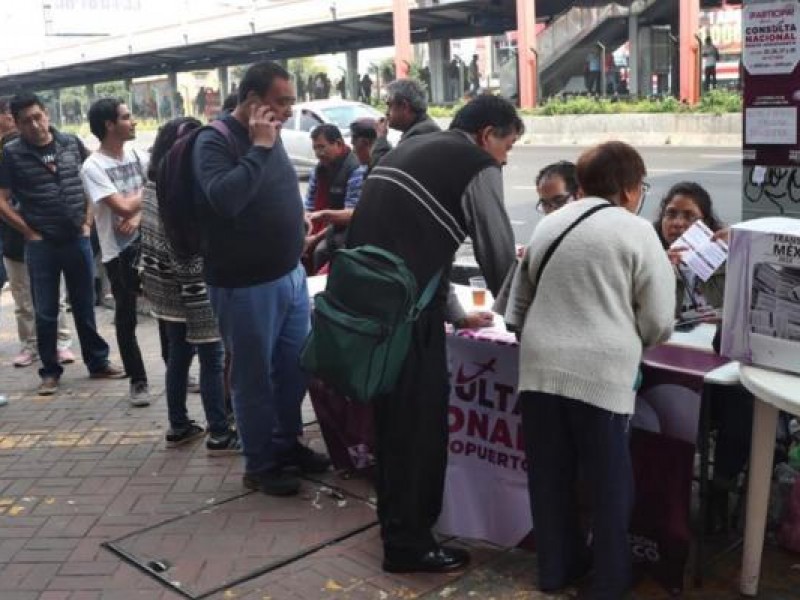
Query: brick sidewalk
87,486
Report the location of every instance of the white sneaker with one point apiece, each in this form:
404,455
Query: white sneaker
140,394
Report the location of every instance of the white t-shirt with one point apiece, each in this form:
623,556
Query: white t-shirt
710,55
103,176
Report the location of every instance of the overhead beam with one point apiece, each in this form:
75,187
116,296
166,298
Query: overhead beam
368,32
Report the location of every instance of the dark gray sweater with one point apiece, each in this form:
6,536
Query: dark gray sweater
250,208
382,146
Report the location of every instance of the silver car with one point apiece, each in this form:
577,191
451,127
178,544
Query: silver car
296,132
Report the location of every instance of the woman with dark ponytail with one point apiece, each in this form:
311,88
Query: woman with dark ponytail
176,289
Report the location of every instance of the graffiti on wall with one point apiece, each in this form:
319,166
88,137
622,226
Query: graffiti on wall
772,190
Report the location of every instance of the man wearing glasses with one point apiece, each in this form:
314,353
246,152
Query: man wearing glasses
557,184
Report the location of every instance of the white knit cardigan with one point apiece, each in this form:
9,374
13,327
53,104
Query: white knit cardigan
607,292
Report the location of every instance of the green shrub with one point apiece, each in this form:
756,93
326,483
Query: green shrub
720,101
716,102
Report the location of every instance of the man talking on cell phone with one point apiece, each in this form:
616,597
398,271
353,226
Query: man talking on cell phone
252,221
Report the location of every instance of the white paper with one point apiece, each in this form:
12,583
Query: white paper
771,125
759,175
702,256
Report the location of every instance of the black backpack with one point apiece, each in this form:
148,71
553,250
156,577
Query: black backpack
175,191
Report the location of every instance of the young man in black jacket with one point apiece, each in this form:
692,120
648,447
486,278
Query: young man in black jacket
13,252
41,169
417,205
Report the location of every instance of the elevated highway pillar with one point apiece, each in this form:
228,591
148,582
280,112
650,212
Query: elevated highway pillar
633,54
689,51
439,51
352,79
172,90
403,55
128,83
57,112
526,53
224,83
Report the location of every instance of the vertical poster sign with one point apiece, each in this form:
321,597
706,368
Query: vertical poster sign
771,59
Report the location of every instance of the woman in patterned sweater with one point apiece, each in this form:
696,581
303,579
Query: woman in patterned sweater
177,292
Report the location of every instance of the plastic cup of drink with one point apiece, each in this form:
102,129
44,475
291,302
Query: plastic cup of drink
478,285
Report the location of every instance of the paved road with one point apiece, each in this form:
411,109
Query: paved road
717,169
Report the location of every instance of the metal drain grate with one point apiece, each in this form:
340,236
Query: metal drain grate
225,544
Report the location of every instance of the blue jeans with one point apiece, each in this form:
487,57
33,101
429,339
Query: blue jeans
47,261
212,383
264,328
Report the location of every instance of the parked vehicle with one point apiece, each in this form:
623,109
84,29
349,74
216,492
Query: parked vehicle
296,133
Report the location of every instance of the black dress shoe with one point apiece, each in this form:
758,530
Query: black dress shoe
275,482
303,459
439,560
580,569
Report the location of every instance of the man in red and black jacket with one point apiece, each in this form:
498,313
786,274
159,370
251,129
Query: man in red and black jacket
333,191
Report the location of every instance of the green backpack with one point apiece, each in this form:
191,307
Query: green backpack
363,321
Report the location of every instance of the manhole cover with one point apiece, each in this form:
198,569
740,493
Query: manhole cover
225,544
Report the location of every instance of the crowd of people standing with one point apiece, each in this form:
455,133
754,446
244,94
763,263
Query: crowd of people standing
239,298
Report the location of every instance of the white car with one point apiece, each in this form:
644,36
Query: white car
296,132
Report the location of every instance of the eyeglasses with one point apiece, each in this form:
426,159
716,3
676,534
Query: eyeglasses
645,188
673,214
546,205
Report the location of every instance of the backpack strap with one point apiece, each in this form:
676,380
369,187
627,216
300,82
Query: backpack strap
220,126
427,294
560,238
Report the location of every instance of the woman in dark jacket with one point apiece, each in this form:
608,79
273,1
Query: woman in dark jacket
684,204
731,407
177,292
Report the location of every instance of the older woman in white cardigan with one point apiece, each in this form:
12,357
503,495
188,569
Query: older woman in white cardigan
606,292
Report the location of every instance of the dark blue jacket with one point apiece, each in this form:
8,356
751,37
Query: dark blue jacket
250,208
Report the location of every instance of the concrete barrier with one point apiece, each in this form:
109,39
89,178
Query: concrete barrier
652,129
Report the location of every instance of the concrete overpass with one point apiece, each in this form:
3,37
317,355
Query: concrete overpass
306,28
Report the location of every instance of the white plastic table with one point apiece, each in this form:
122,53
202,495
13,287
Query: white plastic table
774,391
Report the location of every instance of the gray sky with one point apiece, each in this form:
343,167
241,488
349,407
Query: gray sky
23,21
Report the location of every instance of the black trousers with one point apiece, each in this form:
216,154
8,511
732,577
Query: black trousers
732,413
124,279
710,77
411,442
562,438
